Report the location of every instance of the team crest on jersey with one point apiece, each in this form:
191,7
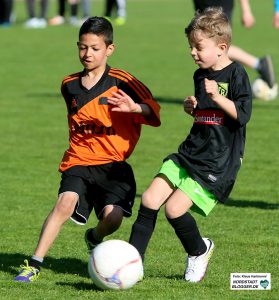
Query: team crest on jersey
103,100
223,88
74,106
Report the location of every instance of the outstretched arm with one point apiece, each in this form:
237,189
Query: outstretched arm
124,103
247,16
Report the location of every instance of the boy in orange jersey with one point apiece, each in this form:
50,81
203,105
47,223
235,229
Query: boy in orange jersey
106,109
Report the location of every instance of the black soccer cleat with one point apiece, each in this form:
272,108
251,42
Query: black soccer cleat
91,243
266,70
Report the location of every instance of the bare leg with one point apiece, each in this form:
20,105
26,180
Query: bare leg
177,205
157,193
62,211
247,59
110,222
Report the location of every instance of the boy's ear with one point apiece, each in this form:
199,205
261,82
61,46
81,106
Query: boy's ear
223,46
110,49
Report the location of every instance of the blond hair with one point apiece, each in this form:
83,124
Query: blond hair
212,23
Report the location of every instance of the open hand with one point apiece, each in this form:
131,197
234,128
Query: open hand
123,102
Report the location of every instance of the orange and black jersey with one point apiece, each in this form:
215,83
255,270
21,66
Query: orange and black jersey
98,135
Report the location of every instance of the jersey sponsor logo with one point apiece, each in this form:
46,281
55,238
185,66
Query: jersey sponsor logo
93,129
223,88
209,117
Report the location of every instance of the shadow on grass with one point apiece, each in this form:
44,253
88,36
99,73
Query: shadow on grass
81,286
169,100
44,95
173,277
253,203
10,262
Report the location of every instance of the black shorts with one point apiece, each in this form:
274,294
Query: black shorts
227,6
99,186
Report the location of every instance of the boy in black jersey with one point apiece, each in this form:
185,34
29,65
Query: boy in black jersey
263,65
203,171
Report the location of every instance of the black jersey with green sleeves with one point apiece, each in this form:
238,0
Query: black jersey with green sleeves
213,150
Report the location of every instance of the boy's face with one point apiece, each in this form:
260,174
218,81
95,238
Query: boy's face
206,53
93,51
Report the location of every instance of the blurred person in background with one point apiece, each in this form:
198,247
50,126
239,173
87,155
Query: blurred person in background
33,21
120,7
73,6
276,14
263,65
86,9
6,12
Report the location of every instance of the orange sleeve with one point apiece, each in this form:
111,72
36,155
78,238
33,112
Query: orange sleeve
154,118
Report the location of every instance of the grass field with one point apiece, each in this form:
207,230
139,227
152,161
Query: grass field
34,136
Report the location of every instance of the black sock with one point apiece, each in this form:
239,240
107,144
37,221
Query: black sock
188,233
143,228
35,263
92,237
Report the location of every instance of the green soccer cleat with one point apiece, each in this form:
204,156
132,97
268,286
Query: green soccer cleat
27,273
119,21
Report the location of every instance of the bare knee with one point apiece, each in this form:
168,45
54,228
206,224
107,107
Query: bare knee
112,217
149,200
171,211
177,205
65,205
157,193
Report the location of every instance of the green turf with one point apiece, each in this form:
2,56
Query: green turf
34,136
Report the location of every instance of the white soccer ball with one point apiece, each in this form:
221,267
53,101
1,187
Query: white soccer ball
115,264
262,91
